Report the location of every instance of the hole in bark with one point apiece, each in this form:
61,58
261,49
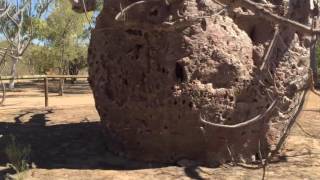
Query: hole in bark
204,25
224,115
175,102
180,74
125,82
257,156
154,12
191,105
134,32
183,101
166,127
252,33
138,47
144,122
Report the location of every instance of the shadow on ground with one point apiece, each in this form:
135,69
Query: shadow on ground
70,146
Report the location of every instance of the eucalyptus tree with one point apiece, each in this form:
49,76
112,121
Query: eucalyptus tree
65,35
18,29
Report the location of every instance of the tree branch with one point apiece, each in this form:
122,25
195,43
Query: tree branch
260,10
242,124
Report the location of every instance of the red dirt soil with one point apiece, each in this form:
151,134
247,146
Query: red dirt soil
67,143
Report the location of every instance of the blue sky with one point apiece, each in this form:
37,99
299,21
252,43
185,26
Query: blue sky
19,1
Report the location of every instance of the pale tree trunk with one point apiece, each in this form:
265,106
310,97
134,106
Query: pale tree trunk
13,73
21,39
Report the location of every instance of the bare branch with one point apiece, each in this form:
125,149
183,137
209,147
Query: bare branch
242,124
5,10
271,47
260,10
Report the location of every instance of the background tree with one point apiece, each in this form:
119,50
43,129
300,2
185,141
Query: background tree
17,27
44,41
64,37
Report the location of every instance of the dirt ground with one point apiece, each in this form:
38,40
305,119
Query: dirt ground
66,142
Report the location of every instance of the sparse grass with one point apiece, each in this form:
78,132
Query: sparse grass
18,157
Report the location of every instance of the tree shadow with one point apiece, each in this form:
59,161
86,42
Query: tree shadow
69,146
193,173
311,110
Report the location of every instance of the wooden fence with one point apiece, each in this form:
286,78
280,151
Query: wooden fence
45,82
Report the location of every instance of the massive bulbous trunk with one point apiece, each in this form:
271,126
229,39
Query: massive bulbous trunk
202,88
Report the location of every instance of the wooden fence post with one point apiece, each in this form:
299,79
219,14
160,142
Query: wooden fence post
61,84
46,89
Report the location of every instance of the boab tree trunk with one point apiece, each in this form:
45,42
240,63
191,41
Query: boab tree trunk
190,79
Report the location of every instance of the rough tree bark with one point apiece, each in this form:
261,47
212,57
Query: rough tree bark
177,80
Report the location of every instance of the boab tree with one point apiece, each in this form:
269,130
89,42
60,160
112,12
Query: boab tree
204,80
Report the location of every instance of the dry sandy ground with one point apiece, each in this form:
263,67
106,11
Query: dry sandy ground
66,142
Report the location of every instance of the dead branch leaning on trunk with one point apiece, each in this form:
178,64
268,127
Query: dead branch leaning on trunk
292,120
245,123
260,10
270,48
86,14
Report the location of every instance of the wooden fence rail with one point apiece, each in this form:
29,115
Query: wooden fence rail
45,83
43,76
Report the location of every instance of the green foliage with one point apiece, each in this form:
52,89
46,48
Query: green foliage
40,59
58,39
64,36
17,154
